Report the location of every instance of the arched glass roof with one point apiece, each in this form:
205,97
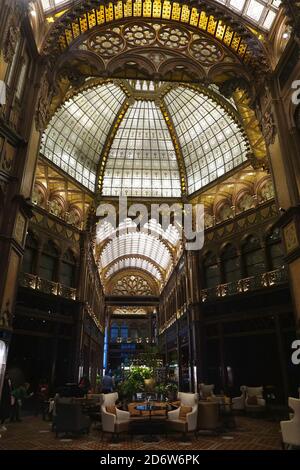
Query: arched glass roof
211,142
142,159
77,132
134,263
136,244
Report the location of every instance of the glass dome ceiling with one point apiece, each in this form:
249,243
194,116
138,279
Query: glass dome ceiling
144,143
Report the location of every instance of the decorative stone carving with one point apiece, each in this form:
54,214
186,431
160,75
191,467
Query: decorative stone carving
268,127
174,37
107,43
206,52
11,39
44,101
230,86
132,285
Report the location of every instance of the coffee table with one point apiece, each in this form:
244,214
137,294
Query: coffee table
154,423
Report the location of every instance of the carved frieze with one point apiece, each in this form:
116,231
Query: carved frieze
43,107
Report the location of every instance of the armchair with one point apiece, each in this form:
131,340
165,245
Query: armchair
206,392
238,403
189,423
257,405
115,423
291,429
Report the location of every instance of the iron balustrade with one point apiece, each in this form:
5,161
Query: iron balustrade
32,281
248,284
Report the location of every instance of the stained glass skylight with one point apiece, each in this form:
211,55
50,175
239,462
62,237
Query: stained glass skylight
134,263
77,132
260,12
211,141
142,160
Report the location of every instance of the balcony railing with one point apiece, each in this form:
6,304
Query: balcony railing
249,284
128,340
32,281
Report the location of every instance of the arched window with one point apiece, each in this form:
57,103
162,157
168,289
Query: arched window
274,249
124,331
67,273
114,332
253,255
48,263
231,264
30,254
211,271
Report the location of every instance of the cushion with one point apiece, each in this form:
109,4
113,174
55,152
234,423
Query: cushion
252,400
206,390
255,391
176,403
183,411
111,409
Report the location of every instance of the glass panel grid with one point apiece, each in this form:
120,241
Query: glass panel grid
260,12
53,4
142,160
77,132
134,263
211,141
136,244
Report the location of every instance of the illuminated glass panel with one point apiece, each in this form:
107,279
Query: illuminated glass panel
260,12
105,230
136,244
134,263
52,4
142,160
77,132
210,140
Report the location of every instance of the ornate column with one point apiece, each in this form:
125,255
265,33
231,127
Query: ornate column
195,321
19,145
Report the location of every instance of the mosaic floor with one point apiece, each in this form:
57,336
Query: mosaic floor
34,434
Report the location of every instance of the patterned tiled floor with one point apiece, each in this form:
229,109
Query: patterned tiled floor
35,434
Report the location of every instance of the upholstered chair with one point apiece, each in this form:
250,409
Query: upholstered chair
184,423
114,420
291,429
238,403
254,401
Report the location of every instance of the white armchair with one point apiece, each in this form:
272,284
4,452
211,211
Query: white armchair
113,423
238,403
189,424
291,429
260,403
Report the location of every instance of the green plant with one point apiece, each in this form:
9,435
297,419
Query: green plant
140,373
161,389
171,387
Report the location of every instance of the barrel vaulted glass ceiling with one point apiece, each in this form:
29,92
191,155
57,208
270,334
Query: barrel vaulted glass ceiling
143,158
134,263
